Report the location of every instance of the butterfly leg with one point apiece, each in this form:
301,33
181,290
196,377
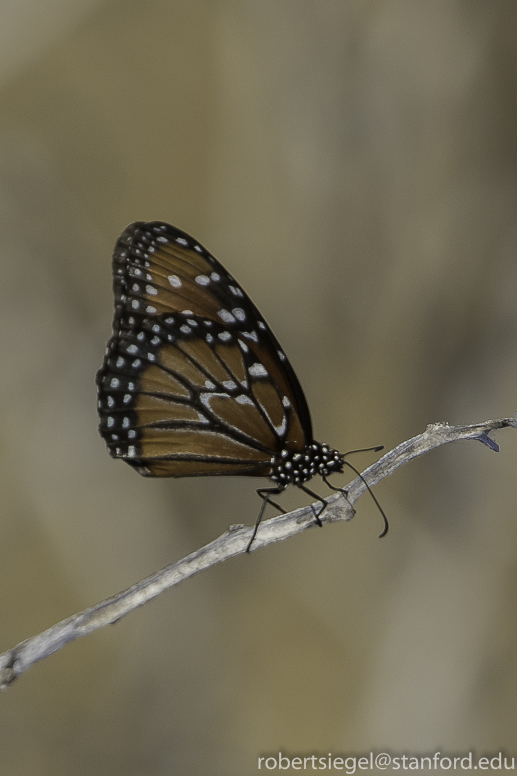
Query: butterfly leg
318,498
264,494
333,487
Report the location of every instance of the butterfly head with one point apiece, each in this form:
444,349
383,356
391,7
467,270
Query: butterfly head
296,468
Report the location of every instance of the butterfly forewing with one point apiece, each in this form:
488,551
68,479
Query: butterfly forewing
193,382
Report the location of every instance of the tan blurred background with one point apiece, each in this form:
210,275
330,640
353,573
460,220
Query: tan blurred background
354,164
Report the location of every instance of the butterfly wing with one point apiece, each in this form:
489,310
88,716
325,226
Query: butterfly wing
194,381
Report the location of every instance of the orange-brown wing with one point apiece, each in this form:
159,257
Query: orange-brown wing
193,381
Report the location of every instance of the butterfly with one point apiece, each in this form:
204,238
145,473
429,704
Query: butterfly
194,382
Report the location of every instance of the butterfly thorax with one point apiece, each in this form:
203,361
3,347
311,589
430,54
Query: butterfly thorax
296,468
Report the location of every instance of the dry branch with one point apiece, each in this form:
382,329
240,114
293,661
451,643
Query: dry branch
234,542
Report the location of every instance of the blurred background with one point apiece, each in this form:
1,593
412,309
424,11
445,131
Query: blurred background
354,164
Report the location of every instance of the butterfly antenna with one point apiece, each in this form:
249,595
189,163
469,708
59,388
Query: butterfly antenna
365,450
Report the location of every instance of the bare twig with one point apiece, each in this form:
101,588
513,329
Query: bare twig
234,542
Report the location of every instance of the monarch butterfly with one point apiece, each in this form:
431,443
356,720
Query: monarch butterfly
194,382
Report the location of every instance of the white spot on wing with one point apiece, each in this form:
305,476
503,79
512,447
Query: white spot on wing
239,313
203,280
280,430
226,316
243,399
252,335
174,281
258,370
